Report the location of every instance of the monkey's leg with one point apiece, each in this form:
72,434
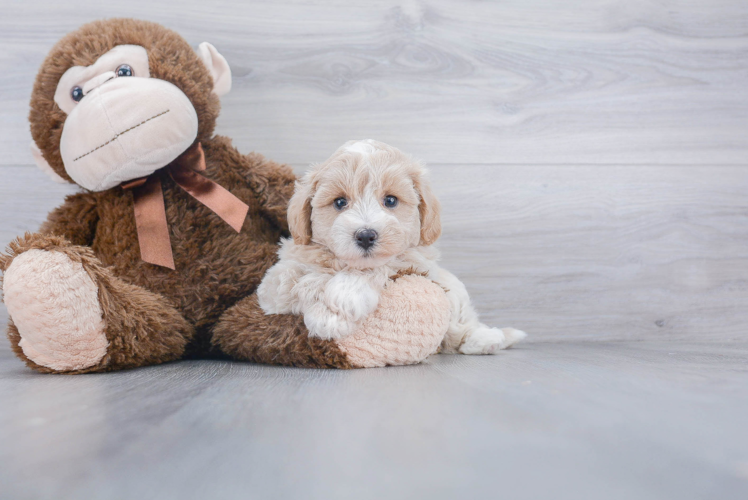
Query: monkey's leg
245,332
408,326
69,314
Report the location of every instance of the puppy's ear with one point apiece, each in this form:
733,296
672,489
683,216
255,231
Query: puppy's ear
429,210
300,212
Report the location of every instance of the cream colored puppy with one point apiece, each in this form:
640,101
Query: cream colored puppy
357,219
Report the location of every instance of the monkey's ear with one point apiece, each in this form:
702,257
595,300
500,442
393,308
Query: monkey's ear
218,67
44,166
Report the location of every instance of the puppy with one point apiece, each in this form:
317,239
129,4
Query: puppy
362,216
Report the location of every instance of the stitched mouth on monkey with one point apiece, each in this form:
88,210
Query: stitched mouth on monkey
121,133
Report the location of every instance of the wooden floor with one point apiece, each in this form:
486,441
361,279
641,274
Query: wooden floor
569,420
592,162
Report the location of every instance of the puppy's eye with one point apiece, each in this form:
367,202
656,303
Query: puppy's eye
390,201
340,203
124,70
76,93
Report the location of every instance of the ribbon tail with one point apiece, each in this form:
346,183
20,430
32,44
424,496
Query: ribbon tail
214,196
150,220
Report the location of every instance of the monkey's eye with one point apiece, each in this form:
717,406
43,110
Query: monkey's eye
390,201
124,70
340,203
76,93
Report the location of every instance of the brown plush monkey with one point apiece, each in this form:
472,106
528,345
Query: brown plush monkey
160,254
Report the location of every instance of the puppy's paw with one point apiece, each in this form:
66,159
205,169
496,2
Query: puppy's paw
512,336
350,296
484,340
325,324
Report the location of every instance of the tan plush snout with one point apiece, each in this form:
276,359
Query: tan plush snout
125,128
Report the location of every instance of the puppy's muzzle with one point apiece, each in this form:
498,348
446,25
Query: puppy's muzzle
366,238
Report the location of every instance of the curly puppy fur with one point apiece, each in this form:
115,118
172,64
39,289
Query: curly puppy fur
357,219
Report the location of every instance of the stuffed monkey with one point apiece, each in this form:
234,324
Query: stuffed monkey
159,255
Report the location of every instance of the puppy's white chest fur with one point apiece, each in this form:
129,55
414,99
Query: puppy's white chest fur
333,298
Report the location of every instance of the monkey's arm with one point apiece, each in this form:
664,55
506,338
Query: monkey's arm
273,184
75,220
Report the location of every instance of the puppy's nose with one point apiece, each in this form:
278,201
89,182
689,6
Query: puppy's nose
365,238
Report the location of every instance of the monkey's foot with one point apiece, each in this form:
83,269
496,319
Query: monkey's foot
407,326
54,304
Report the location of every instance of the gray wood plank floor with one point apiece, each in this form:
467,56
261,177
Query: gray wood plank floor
572,420
592,163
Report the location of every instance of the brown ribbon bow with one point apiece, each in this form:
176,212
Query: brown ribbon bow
150,212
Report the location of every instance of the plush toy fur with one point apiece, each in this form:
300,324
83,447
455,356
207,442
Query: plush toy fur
85,260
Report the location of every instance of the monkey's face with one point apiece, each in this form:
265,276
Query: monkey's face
123,120
122,124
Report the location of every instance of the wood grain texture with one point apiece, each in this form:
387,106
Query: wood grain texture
591,252
575,421
595,82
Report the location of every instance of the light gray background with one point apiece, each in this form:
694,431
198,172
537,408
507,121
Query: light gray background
591,159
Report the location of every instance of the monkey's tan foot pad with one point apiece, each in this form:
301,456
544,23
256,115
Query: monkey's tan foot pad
407,326
54,303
